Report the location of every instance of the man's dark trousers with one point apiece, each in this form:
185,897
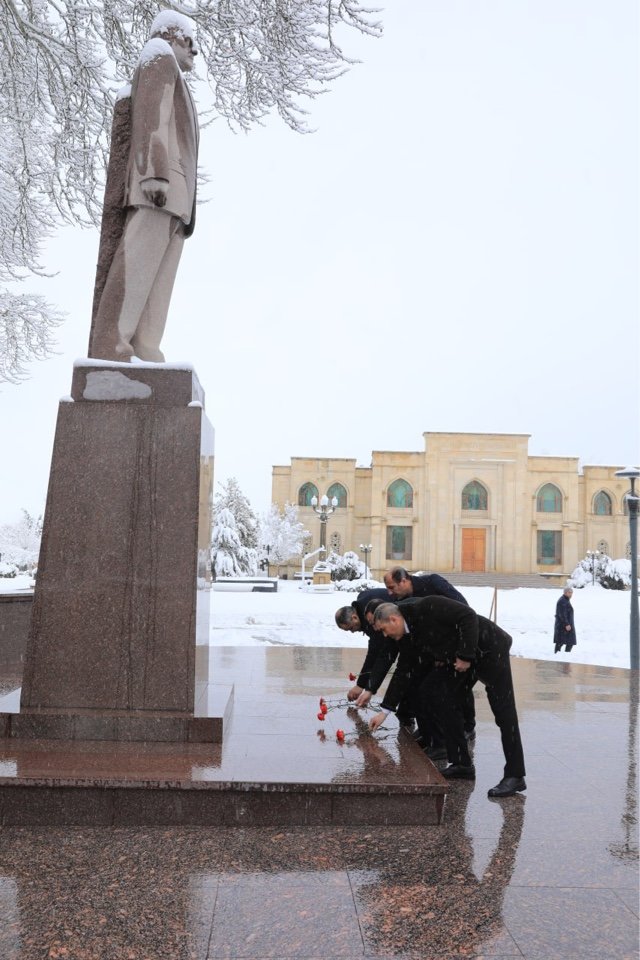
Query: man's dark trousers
441,692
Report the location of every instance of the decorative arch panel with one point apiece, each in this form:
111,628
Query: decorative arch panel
400,494
306,493
549,499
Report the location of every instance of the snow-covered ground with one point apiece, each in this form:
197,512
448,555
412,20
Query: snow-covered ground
295,616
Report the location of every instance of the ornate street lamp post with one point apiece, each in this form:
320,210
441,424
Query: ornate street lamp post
366,548
324,511
633,501
594,557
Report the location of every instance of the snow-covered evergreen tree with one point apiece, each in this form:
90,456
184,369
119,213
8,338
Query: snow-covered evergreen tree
345,567
229,558
601,569
231,497
20,542
61,63
282,532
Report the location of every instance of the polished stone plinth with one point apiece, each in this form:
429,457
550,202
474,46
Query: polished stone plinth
15,617
112,644
277,764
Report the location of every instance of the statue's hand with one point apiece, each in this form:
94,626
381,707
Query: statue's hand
155,191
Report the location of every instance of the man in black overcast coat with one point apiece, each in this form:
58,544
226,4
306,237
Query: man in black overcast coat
353,620
401,585
439,641
564,628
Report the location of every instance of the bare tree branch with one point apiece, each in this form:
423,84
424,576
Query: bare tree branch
61,63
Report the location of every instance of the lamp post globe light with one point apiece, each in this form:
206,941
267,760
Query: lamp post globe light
324,511
633,502
366,548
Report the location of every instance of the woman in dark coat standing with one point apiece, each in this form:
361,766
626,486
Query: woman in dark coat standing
565,631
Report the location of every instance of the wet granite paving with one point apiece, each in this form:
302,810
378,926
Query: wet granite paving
545,875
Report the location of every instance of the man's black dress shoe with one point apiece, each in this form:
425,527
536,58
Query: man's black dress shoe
507,787
458,771
436,753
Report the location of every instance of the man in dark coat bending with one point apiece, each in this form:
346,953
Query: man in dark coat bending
452,637
353,620
401,585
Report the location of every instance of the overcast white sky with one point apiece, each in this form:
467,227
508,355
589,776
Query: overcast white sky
454,248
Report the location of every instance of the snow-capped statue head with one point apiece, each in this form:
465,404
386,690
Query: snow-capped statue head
178,31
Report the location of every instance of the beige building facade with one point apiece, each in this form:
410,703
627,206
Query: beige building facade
468,502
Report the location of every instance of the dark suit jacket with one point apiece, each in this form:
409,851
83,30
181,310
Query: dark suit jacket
439,630
432,584
378,645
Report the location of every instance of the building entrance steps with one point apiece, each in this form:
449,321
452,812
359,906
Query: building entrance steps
277,764
506,581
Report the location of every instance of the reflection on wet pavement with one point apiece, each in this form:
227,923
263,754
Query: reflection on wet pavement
549,875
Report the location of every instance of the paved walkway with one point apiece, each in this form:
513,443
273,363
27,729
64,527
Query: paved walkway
548,875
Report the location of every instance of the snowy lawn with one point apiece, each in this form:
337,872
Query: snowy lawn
293,616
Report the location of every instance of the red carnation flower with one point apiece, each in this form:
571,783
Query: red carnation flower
352,676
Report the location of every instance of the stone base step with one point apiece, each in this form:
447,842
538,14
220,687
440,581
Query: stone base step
506,581
95,783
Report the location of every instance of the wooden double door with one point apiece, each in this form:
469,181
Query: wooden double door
474,549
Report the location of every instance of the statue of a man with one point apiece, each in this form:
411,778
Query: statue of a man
156,198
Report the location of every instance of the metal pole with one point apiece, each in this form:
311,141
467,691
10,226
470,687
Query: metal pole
634,627
323,529
632,474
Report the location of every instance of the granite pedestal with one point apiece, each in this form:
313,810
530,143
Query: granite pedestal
112,644
277,765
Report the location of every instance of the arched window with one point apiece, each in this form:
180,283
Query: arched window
549,499
338,491
474,496
305,494
625,503
400,494
602,506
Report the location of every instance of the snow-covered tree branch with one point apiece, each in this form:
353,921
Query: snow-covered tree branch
229,558
235,536
20,542
282,533
61,62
